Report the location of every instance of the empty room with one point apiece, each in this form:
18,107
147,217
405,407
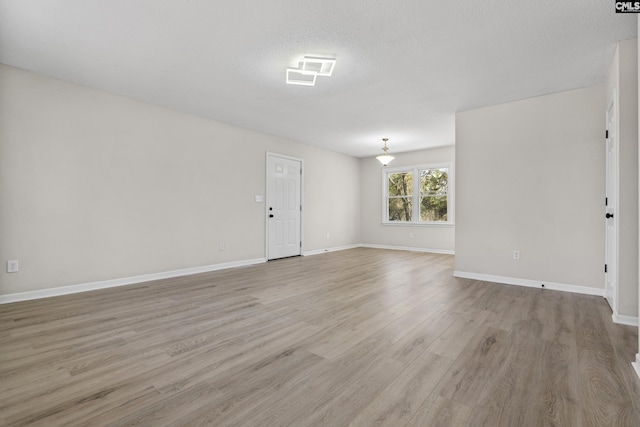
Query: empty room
319,213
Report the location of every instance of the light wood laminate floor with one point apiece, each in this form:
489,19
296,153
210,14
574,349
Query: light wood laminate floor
361,337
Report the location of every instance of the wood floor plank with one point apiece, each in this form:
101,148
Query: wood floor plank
241,394
399,401
475,367
452,341
437,411
343,406
361,336
511,379
232,357
422,335
297,401
49,399
556,389
343,337
166,410
623,339
506,317
604,396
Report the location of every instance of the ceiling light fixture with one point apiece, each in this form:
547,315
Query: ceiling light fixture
301,77
385,158
321,66
310,67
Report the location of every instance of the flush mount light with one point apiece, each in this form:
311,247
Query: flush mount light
310,67
296,76
321,66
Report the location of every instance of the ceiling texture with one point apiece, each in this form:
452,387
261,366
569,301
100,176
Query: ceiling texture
404,67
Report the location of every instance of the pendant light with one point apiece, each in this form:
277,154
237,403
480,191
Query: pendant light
385,158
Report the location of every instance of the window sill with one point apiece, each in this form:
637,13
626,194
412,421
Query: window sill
420,224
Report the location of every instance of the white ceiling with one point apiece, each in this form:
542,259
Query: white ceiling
404,67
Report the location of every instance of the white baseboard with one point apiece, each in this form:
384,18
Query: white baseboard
624,320
72,289
406,248
530,283
636,364
333,249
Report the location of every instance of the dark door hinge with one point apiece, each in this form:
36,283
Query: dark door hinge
605,268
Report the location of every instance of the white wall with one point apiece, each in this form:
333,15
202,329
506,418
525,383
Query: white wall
97,187
372,232
628,209
530,177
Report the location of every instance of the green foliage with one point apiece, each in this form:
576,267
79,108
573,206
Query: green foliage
433,194
400,192
433,208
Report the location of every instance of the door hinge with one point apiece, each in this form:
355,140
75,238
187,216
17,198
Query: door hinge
605,268
606,134
606,201
300,208
300,171
300,243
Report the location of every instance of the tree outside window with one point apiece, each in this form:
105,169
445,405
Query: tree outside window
417,194
400,196
434,185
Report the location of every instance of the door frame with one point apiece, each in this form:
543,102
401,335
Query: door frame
611,295
266,204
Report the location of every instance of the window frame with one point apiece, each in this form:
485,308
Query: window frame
415,195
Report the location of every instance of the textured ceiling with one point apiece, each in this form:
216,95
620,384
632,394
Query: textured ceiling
403,67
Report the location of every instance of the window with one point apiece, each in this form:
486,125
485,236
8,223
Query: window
417,195
400,196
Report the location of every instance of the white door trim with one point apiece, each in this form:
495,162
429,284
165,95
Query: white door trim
266,205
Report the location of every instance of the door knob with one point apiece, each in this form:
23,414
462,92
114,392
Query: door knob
609,215
270,215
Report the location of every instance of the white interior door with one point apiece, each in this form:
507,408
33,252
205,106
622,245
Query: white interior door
611,218
284,206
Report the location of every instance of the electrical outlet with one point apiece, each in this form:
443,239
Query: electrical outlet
221,246
13,266
516,255
411,235
328,235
